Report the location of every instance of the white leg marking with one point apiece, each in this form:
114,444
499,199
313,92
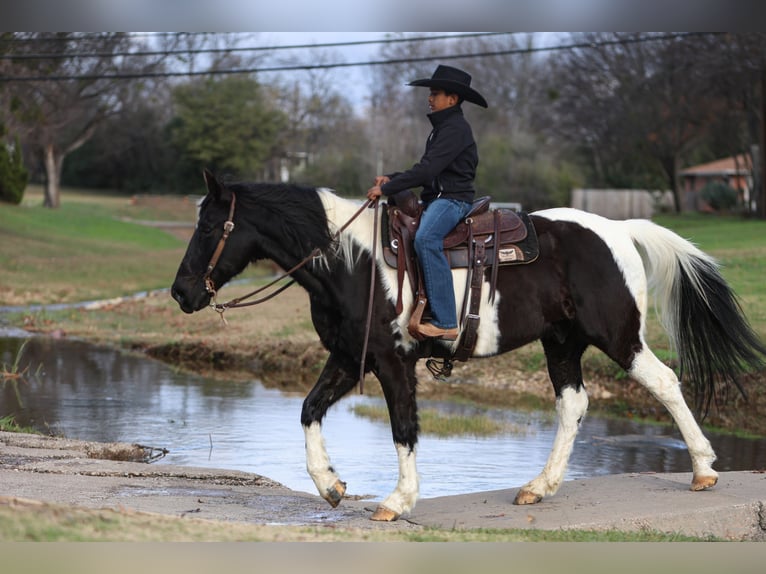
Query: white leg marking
571,407
405,495
317,459
662,382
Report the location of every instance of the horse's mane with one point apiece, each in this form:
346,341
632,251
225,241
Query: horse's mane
292,213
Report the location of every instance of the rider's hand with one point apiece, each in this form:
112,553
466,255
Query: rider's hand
374,193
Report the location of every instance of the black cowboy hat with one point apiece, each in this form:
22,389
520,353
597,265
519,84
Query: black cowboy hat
453,81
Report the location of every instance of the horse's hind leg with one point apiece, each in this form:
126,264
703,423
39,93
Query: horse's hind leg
571,404
334,382
662,382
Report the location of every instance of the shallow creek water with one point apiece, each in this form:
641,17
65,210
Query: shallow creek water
91,393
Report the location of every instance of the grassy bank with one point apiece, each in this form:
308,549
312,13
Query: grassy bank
86,249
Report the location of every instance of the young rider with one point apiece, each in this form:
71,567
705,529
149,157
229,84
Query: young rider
446,173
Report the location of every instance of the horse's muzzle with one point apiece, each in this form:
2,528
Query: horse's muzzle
188,304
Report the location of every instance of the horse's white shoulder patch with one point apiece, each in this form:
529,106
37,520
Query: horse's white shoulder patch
358,238
340,212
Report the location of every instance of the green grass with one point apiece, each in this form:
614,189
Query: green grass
92,247
54,523
85,249
11,375
8,424
13,370
81,251
91,220
738,244
439,424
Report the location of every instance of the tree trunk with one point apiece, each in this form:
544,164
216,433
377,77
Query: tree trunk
53,164
761,202
670,165
678,200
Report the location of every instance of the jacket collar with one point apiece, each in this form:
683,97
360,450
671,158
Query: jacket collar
438,117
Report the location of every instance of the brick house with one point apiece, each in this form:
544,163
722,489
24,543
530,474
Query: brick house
735,171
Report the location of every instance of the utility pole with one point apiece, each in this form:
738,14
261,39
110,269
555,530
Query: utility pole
761,207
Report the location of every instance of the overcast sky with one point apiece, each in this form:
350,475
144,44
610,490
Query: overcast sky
262,15
357,81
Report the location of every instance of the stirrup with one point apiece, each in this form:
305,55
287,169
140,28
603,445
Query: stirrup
440,372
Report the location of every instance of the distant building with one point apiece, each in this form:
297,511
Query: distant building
622,203
286,166
735,171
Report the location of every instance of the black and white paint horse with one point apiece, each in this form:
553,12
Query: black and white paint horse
590,286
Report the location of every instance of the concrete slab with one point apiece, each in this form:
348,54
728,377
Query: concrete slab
63,472
735,509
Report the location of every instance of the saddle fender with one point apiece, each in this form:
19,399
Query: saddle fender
485,238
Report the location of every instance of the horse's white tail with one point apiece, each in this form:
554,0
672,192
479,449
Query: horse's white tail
665,254
698,309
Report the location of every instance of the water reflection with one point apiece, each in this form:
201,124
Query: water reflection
94,393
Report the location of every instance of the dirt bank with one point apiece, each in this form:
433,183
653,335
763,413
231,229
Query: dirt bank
498,381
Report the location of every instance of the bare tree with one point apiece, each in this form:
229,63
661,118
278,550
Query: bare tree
513,164
397,124
638,103
58,87
739,63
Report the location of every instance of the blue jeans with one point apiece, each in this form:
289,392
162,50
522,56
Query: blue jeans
439,218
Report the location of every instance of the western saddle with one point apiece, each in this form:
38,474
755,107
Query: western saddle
486,238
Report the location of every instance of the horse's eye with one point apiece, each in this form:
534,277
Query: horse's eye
204,228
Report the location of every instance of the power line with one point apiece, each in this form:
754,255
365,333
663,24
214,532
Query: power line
60,56
306,67
60,37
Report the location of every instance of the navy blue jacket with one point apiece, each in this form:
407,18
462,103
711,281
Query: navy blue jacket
448,166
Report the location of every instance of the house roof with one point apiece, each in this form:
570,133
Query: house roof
735,165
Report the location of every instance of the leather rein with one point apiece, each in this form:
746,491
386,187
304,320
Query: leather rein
220,308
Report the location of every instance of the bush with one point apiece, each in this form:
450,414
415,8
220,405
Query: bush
13,175
719,196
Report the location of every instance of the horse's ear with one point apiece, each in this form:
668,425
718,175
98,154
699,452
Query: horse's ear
214,187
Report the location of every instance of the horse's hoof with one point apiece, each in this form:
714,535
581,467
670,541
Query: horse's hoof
527,497
703,482
383,514
335,493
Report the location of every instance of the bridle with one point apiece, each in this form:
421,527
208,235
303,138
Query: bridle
220,308
228,227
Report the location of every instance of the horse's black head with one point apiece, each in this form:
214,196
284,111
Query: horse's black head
189,288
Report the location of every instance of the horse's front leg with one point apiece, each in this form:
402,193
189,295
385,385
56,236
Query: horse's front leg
398,381
334,382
